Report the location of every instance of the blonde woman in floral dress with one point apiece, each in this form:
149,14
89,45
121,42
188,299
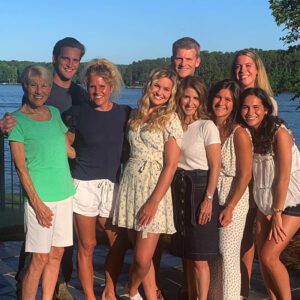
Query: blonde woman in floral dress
145,205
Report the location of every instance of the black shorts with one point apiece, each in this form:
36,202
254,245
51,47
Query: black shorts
292,211
192,240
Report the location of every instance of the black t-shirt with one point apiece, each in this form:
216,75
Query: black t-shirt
63,98
99,141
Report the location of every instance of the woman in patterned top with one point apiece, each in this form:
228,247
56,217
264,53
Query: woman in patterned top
144,206
235,175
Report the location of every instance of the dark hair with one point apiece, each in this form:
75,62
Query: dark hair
185,43
195,83
263,136
235,91
67,42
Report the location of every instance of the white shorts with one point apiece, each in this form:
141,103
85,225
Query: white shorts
39,239
95,197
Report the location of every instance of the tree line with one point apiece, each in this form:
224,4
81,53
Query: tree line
283,68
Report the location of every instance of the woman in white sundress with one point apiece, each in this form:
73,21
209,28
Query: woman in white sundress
236,171
144,204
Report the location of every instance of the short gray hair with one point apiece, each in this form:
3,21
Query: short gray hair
35,71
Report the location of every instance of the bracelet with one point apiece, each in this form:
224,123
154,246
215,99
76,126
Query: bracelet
209,196
277,210
230,205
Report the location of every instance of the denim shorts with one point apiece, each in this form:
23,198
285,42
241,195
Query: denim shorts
292,211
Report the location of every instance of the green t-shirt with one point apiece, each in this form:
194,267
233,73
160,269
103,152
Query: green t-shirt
45,154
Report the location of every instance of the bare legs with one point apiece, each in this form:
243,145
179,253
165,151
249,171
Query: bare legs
142,269
45,265
86,234
118,243
163,243
275,275
247,253
202,279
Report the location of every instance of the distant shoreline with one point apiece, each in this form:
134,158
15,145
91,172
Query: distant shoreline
9,83
127,86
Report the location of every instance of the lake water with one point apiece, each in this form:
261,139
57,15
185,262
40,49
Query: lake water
11,95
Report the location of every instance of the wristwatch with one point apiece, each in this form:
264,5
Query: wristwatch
209,196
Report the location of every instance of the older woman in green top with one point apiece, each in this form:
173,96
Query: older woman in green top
39,150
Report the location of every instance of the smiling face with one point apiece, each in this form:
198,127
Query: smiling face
253,111
185,62
99,91
245,71
37,91
160,92
189,102
222,104
67,63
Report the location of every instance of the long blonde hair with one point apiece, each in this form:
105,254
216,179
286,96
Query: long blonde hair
158,119
262,80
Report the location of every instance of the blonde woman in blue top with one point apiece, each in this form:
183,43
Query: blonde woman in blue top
98,133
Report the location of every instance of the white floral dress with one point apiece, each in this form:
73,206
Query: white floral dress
140,177
225,270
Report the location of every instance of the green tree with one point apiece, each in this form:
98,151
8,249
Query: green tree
287,13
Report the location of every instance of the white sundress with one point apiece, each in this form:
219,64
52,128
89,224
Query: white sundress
225,270
140,177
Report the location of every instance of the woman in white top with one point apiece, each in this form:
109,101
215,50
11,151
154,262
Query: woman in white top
235,175
194,194
276,172
248,71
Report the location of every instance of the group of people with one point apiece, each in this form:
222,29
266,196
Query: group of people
200,165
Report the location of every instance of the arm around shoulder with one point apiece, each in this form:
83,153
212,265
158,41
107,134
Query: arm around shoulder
7,123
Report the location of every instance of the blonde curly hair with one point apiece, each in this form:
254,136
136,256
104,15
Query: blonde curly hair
105,69
159,118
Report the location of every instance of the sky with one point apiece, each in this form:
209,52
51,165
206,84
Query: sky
124,31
